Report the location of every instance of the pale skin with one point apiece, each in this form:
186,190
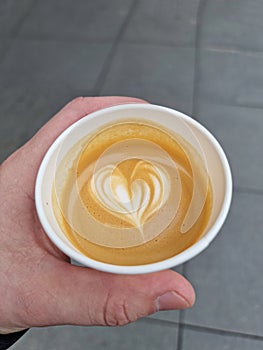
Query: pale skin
38,285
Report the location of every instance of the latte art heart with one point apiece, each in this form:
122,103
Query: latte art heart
132,199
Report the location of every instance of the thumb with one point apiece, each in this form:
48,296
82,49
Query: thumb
89,297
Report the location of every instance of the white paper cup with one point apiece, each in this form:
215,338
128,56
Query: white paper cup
199,137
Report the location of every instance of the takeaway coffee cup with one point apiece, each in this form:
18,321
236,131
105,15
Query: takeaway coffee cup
133,188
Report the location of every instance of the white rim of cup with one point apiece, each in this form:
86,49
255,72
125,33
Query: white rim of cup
178,259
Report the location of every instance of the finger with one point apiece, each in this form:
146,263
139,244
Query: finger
90,297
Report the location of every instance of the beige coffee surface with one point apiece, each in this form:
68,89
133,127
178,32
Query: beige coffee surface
132,194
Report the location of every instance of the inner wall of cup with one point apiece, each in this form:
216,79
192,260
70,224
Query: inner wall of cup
216,173
47,203
170,120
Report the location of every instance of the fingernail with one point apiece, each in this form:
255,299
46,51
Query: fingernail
171,301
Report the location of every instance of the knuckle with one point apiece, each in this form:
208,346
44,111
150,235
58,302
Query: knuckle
76,101
117,313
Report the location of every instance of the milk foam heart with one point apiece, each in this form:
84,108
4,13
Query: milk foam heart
132,200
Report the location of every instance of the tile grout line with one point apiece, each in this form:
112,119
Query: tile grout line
209,330
222,332
63,39
226,104
129,41
106,66
248,190
199,19
180,334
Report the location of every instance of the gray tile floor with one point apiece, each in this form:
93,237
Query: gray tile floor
202,57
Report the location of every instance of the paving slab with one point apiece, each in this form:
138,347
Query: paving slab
227,276
23,110
12,13
60,52
161,75
68,19
232,25
141,336
163,22
208,341
46,76
239,130
53,65
231,78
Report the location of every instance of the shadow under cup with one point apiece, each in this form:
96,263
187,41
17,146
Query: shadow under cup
195,134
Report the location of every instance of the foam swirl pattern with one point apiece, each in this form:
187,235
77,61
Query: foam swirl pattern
131,185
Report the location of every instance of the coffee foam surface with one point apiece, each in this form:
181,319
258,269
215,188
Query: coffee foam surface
129,183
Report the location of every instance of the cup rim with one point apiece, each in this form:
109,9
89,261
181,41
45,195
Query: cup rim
176,260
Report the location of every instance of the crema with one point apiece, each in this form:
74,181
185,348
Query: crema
133,193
